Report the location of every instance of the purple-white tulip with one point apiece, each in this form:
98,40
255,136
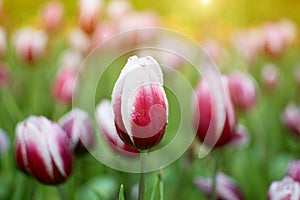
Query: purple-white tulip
105,118
51,15
43,150
286,189
79,40
226,188
117,9
242,90
270,77
79,129
139,102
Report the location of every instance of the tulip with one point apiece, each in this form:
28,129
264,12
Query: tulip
102,33
52,14
139,102
4,142
79,129
203,108
242,90
270,77
248,43
43,150
117,9
286,189
240,137
293,170
79,40
89,11
213,49
291,118
70,59
105,118
2,41
30,44
136,21
226,188
4,76
64,85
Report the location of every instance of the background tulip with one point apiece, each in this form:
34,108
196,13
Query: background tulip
89,11
203,108
43,150
139,104
52,14
116,9
291,118
4,142
2,41
226,188
30,44
64,85
286,189
293,170
105,118
270,77
242,90
79,129
79,40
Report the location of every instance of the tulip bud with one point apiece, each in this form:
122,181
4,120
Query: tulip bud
286,189
214,49
2,41
240,137
4,142
43,150
270,77
30,44
291,118
70,59
52,14
88,14
79,129
139,102
105,118
203,107
102,33
64,85
4,76
293,170
242,90
225,187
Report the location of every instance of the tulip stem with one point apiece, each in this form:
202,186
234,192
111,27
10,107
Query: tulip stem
214,183
142,176
11,106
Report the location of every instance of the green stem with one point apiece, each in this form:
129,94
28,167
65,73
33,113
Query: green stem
214,183
61,192
11,105
161,186
142,176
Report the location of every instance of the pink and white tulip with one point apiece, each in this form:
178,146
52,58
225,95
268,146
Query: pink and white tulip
70,59
64,85
242,90
52,15
291,118
103,32
139,102
30,44
3,44
286,189
79,129
203,107
226,188
89,11
43,150
105,119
